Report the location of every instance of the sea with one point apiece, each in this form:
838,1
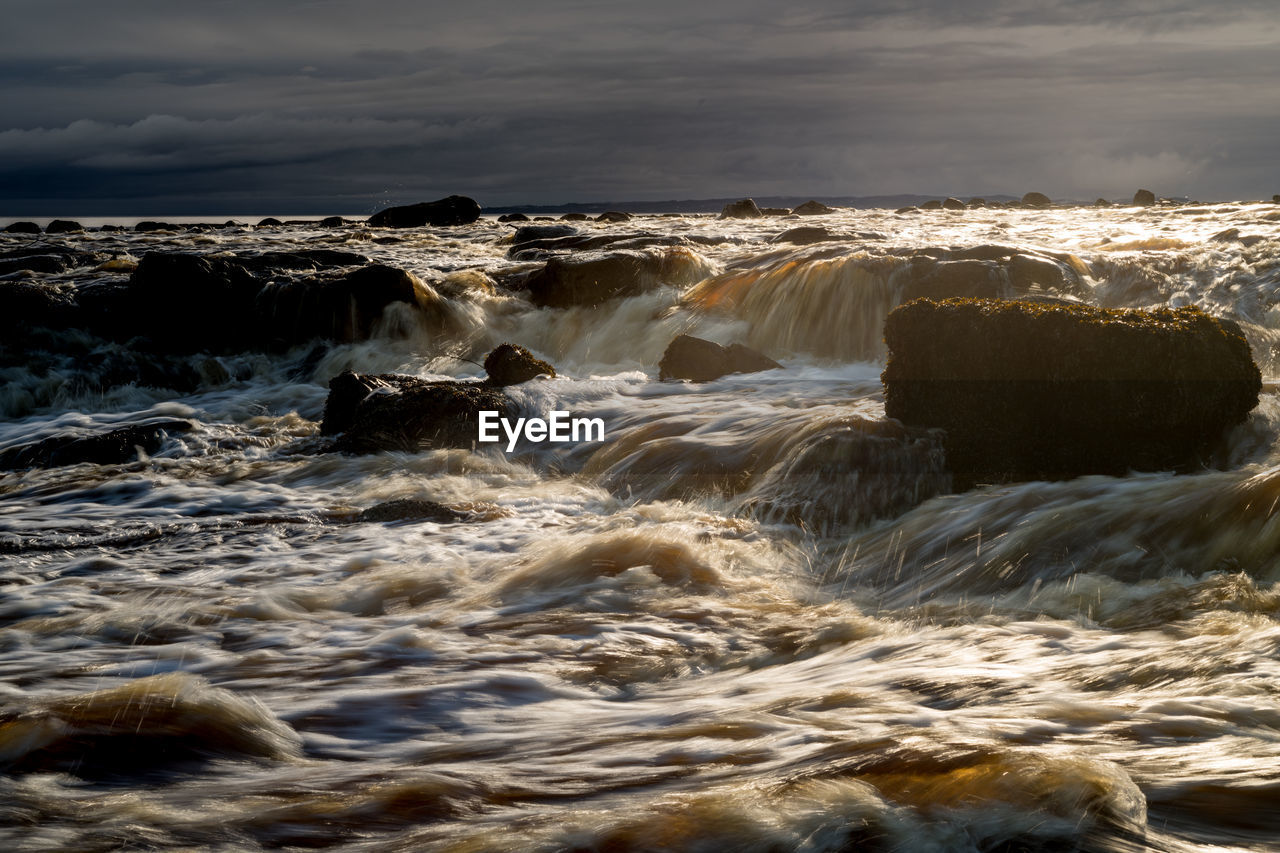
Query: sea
724,625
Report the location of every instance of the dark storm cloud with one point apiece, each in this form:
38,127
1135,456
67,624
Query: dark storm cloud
322,105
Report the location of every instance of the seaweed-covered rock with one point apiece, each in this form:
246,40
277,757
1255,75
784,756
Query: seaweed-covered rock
509,364
372,413
1034,390
116,446
454,210
593,278
701,360
745,209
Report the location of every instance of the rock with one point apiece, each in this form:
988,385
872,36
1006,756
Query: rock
115,447
1102,202
976,203
29,305
908,209
1027,271
592,278
186,303
804,235
813,208
745,209
776,211
932,204
1034,199
394,412
150,225
305,259
1032,390
343,309
614,216
63,226
528,233
513,217
412,509
509,364
1144,198
269,222
952,204
700,360
34,263
22,228
1231,235
973,278
332,222
1275,199
574,217
454,210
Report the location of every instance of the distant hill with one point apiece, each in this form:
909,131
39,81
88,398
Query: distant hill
715,205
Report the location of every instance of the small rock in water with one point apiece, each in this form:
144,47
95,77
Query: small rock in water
932,204
813,208
412,509
527,233
700,360
778,211
1034,199
745,209
952,204
574,217
115,447
614,216
454,210
63,226
22,228
804,235
594,278
509,364
1144,198
332,222
513,217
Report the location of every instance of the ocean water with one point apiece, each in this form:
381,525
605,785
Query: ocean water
709,631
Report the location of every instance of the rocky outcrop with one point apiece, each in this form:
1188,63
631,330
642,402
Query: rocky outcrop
1144,198
509,364
1034,390
373,413
745,209
454,210
593,278
115,447
1034,199
813,208
700,360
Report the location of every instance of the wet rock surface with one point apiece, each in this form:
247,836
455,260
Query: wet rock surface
700,360
510,364
117,446
453,210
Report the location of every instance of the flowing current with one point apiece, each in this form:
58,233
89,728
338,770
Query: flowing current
735,623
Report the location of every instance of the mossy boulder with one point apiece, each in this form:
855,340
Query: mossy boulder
509,364
1050,390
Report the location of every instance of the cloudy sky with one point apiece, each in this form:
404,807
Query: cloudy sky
333,106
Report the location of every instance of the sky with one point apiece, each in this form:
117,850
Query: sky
331,106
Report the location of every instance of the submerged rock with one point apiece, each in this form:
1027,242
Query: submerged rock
412,509
701,360
1144,198
591,279
745,209
509,364
115,447
1035,390
454,210
373,413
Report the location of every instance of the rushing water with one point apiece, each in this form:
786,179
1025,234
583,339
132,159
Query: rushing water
706,632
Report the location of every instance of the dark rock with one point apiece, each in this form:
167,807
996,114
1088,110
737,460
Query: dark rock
813,208
908,209
614,216
1027,271
775,211
341,309
332,222
412,509
150,225
958,278
305,259
22,228
63,226
269,222
701,360
1144,198
1231,235
952,204
976,203
28,305
393,412
1032,390
804,235
527,233
745,209
1102,202
186,303
35,263
932,204
590,279
509,364
109,448
1275,199
574,217
454,210
1034,199
513,217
